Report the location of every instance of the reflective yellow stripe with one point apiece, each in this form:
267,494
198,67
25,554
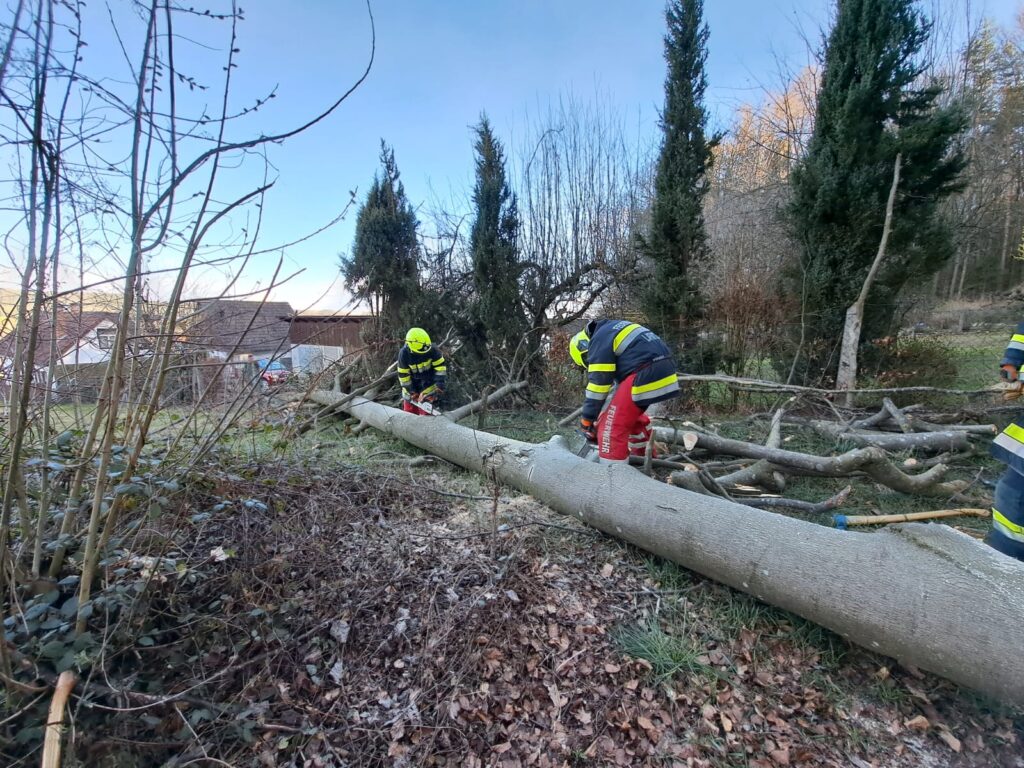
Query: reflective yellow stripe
1016,432
402,370
602,368
622,335
1018,337
1001,519
655,384
592,387
432,388
439,362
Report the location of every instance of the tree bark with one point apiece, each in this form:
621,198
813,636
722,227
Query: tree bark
335,401
470,408
571,417
872,461
897,415
926,595
762,472
847,375
951,440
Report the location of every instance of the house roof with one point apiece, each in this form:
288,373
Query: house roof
249,326
329,315
71,327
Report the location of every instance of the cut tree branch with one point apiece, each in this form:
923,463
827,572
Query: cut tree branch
872,461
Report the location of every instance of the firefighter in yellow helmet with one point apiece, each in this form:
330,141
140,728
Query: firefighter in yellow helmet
421,371
1007,534
638,361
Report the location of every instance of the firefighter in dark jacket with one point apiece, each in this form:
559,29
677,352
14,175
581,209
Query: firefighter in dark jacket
618,352
421,371
1007,534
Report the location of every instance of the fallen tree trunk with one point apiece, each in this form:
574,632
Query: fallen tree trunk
897,415
477,405
571,418
333,407
871,461
762,472
951,440
692,481
921,425
926,595
796,505
336,401
886,419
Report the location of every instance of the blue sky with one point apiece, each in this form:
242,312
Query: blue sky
439,64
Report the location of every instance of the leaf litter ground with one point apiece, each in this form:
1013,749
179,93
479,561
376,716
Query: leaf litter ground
328,615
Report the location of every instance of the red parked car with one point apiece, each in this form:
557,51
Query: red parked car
272,372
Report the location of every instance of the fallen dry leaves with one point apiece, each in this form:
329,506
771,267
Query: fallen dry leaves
443,647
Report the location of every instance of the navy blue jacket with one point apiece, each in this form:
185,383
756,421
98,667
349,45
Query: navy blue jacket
421,372
1014,354
619,348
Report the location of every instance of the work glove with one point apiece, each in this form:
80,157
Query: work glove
589,430
1008,372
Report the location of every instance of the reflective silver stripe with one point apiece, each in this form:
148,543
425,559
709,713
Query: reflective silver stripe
596,395
1003,440
671,387
1015,345
624,345
1007,532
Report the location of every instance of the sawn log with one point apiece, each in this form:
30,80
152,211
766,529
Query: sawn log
924,594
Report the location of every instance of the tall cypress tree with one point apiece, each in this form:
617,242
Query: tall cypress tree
676,238
494,246
383,268
870,107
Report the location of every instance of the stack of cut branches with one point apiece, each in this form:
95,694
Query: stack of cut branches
754,474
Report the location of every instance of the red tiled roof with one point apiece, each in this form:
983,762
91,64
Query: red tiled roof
72,326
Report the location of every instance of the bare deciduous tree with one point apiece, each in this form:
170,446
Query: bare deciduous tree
131,177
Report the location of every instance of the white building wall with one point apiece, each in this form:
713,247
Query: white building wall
88,350
313,358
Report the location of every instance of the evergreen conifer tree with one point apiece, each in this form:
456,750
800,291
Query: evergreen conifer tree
676,239
383,267
494,249
870,107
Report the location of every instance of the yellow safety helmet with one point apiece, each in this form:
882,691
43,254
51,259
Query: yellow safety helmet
417,340
578,347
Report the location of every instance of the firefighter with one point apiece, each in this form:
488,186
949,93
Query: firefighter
1007,534
421,371
618,352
